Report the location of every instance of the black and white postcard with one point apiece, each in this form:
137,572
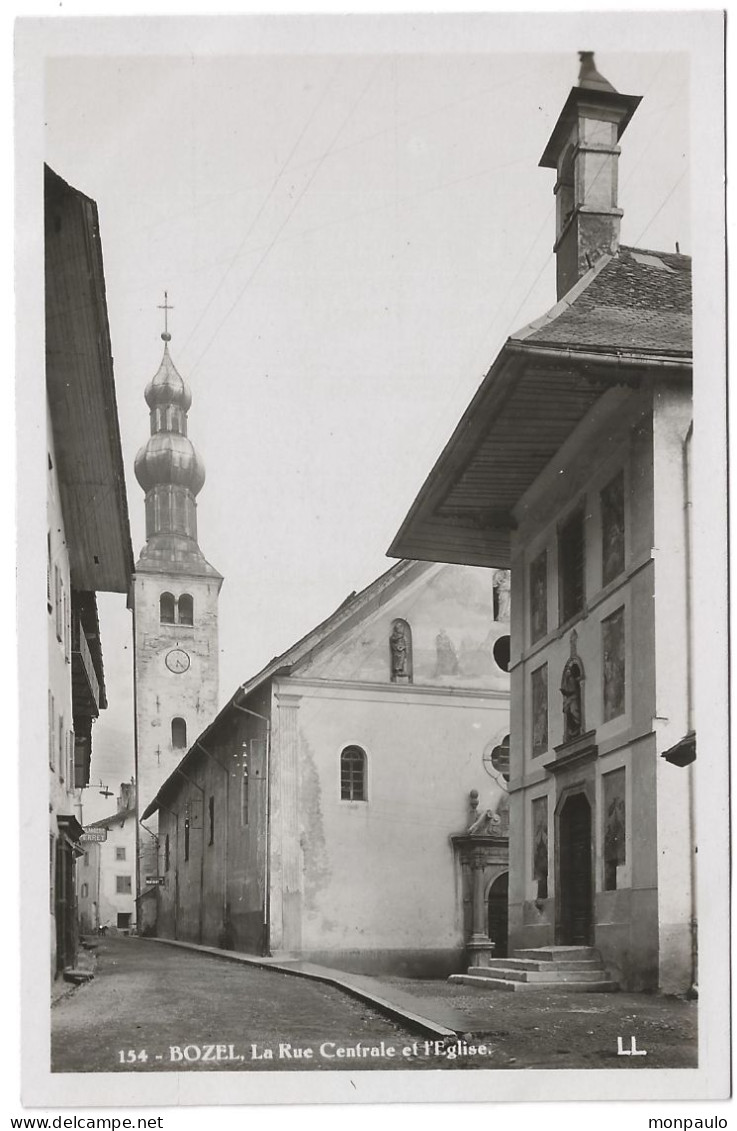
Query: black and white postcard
373,740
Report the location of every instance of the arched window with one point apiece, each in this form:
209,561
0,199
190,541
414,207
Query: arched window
178,734
186,609
353,774
166,608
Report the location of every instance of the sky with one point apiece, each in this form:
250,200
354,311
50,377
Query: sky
346,241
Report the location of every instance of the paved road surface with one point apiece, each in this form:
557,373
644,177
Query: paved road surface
150,999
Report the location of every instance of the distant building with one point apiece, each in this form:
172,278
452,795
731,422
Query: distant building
106,894
572,466
175,609
88,538
316,816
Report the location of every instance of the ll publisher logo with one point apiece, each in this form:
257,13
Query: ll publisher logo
632,1050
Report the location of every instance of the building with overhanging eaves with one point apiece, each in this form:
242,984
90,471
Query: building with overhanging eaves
324,813
88,536
572,467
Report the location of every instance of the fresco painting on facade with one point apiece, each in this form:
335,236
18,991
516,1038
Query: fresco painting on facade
539,693
539,597
540,846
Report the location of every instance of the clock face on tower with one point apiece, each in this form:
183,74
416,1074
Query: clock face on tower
177,661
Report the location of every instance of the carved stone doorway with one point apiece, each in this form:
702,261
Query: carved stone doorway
576,903
499,914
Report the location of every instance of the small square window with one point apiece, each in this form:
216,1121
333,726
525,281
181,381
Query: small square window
120,853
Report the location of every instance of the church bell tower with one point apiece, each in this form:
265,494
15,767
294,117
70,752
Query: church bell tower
175,608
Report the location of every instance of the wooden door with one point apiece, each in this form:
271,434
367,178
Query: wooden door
499,915
576,903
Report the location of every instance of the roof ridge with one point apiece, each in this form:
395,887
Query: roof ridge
565,302
654,251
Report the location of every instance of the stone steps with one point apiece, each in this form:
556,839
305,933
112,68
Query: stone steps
540,964
575,969
543,975
607,986
560,953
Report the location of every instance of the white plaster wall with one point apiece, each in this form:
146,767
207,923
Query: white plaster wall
88,873
62,798
121,834
380,874
671,420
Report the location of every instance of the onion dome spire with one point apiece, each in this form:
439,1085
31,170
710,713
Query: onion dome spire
170,470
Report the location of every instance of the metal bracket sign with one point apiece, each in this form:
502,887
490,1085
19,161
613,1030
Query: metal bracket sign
93,836
154,881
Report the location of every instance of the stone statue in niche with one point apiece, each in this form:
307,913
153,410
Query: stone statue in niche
400,648
502,584
446,658
571,688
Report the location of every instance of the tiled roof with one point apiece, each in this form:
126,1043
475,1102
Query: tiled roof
635,300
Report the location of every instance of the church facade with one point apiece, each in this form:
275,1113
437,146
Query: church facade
572,466
175,610
322,813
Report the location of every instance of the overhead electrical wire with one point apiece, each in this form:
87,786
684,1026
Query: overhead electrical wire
290,213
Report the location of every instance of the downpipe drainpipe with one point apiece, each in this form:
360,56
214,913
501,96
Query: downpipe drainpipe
267,819
687,505
225,833
202,849
139,904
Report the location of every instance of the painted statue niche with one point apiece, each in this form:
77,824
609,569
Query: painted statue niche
400,650
502,587
571,688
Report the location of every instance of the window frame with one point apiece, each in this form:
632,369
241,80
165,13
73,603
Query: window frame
349,749
187,597
173,620
183,721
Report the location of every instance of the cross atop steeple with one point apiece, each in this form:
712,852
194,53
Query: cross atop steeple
166,336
